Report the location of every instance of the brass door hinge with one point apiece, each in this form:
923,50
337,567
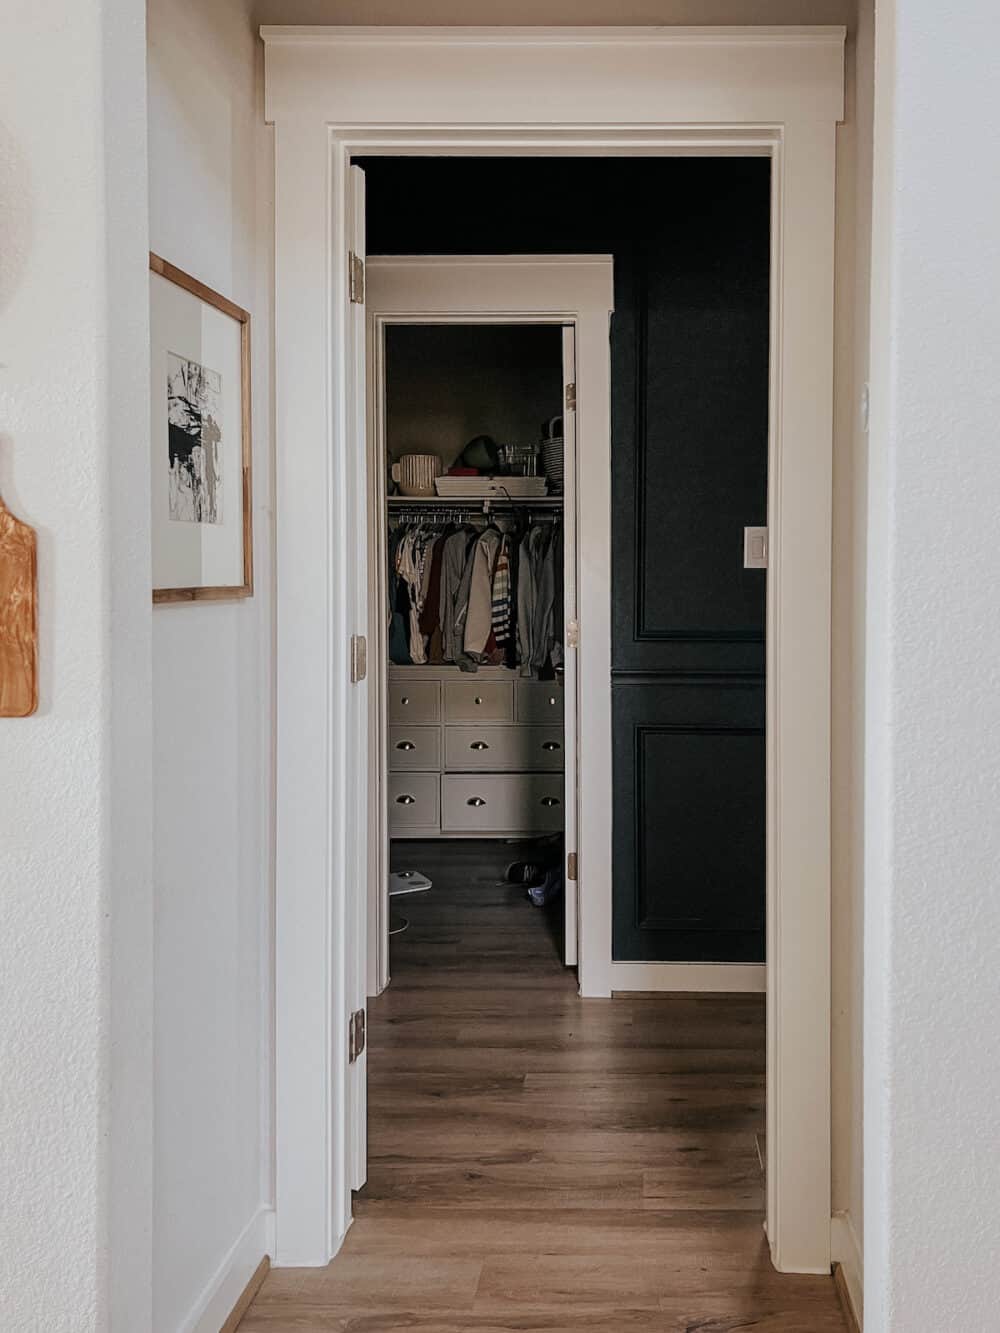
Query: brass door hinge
571,397
356,1034
573,634
359,658
356,278
571,866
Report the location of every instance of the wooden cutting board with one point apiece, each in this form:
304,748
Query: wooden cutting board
18,617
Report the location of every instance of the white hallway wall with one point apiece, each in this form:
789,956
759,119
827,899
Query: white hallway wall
75,798
932,946
853,243
209,213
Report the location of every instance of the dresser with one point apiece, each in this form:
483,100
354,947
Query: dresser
474,755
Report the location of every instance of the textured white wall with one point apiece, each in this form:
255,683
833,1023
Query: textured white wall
932,1189
75,946
212,708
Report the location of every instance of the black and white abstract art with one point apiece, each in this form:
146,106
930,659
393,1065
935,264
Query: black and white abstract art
194,441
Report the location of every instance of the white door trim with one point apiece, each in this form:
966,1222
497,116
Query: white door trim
694,91
567,290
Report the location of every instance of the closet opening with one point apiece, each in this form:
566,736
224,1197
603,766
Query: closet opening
477,727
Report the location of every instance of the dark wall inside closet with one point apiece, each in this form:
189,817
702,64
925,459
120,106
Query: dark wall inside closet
689,357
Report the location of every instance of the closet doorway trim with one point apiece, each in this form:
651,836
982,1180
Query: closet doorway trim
556,290
336,92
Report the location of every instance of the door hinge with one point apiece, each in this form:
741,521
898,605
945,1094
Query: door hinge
359,658
571,397
356,1034
573,634
571,866
356,278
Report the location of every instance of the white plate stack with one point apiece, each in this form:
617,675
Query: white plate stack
552,454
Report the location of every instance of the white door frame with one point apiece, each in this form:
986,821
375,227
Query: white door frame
334,92
573,290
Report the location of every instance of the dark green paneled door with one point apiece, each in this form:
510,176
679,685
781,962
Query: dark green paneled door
689,359
690,472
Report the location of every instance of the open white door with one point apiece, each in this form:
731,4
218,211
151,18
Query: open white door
571,633
357,515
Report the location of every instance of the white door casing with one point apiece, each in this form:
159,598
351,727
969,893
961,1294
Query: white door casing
576,292
571,620
331,92
358,791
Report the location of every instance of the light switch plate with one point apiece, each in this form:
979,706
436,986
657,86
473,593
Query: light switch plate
755,548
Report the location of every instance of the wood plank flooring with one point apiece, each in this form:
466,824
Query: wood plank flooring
540,1162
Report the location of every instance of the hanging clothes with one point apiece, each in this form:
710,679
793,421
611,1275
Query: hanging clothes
477,597
526,596
399,607
500,608
430,616
479,619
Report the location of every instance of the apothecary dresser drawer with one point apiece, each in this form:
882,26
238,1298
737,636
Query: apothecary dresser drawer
501,803
539,701
479,701
414,748
414,802
502,749
414,701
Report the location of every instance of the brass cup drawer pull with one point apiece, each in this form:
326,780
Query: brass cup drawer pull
551,745
479,745
476,801
550,800
405,800
405,745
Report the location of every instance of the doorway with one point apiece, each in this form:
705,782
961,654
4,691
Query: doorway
499,367
779,94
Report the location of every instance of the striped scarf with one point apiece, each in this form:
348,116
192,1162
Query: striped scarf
500,598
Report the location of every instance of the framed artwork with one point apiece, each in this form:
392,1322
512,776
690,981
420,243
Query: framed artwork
202,492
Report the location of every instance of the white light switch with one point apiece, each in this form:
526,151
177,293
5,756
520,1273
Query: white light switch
755,548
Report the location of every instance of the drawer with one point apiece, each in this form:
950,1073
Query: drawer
502,803
539,700
414,701
479,701
414,802
414,748
493,749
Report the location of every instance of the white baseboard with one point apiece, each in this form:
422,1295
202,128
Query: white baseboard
734,977
845,1250
226,1285
285,1259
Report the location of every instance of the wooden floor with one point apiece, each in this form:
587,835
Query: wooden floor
540,1162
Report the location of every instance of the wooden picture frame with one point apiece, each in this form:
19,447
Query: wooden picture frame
194,531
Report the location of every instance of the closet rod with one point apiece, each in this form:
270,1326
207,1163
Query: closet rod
483,503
